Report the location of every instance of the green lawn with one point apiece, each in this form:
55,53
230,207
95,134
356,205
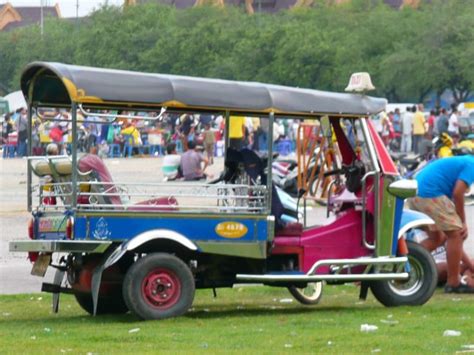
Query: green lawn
242,320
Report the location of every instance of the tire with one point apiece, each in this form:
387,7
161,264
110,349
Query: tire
107,305
158,286
415,291
309,295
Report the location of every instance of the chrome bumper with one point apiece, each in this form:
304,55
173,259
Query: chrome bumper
61,246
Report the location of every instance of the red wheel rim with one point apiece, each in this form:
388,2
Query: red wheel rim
161,288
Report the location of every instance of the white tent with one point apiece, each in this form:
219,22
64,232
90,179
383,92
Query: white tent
15,100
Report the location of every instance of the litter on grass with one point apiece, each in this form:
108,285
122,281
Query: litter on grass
451,333
134,330
367,328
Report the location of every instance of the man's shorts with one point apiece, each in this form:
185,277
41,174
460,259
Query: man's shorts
440,209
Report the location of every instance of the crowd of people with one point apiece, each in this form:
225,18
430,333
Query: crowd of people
128,133
405,131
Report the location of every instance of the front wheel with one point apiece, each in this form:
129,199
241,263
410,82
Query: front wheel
158,286
309,295
420,285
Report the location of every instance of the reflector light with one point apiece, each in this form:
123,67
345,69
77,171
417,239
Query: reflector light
70,228
31,229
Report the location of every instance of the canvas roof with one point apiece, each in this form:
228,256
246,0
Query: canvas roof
60,84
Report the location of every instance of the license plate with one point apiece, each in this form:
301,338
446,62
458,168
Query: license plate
41,265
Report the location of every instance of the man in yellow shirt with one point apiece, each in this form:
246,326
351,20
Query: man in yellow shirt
236,131
131,131
418,128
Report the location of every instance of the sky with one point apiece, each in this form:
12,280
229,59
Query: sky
68,7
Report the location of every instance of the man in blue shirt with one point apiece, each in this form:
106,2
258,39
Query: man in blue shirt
441,188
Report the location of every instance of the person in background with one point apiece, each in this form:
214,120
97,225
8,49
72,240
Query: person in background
236,131
56,135
21,127
35,136
93,132
49,197
171,166
185,129
418,127
407,130
431,124
193,164
7,127
396,121
209,142
453,124
132,131
52,149
385,123
439,255
441,188
442,122
131,135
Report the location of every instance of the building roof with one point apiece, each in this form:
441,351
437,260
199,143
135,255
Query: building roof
26,15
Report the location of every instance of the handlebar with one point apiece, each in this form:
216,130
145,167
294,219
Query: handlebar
333,172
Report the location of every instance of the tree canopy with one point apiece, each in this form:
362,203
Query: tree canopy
409,53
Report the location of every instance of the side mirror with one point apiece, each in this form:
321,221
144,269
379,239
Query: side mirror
403,188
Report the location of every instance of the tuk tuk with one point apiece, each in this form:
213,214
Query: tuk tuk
145,247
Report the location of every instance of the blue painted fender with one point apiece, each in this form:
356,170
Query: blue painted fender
412,219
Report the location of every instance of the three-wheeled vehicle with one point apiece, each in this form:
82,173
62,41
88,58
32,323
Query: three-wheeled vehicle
145,247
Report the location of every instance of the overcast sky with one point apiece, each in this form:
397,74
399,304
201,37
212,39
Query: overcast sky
68,7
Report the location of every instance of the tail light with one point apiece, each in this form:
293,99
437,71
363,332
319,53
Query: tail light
70,228
31,229
31,234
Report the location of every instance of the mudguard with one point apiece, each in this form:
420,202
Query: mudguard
412,219
115,255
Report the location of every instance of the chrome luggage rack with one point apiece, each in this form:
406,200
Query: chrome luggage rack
154,197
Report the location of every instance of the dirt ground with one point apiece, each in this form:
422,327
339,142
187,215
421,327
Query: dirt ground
15,269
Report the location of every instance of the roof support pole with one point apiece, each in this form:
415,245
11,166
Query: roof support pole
226,131
29,130
271,118
74,154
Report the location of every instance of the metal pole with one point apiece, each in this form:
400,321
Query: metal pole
226,131
77,12
74,154
271,117
41,19
28,153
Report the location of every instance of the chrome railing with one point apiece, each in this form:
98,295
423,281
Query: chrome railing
153,197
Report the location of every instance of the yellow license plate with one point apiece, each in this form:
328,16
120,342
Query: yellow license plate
41,265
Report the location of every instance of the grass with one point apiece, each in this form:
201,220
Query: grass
245,319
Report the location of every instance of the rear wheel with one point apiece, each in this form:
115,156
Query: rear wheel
415,291
309,295
158,286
